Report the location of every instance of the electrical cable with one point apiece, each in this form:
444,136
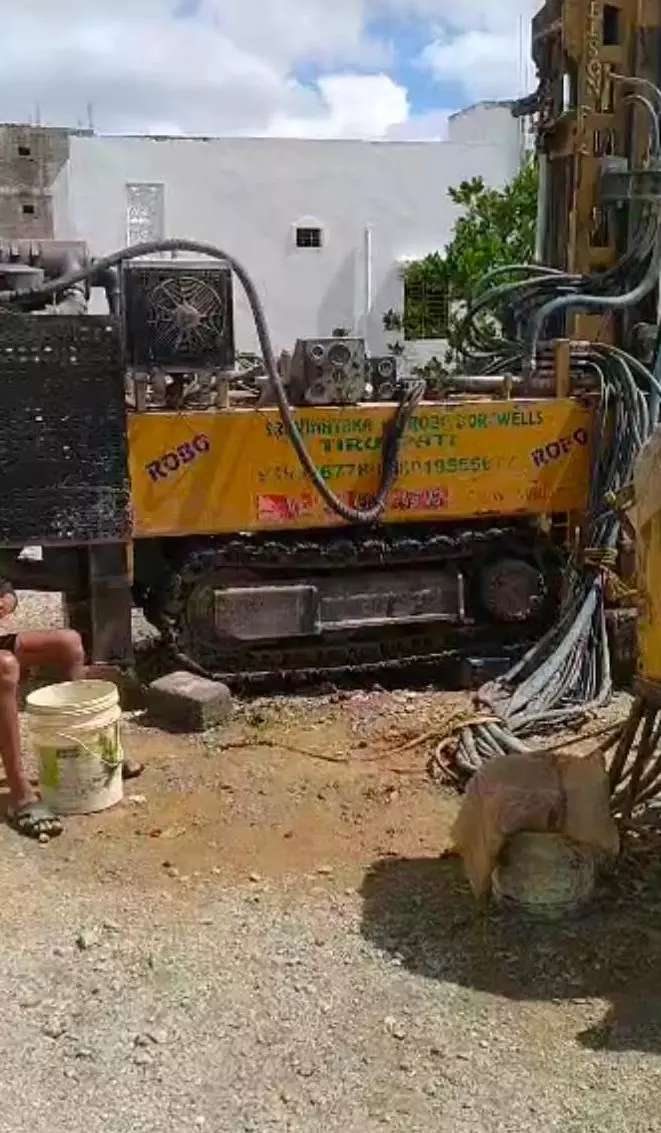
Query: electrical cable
653,116
566,676
482,338
593,303
638,81
393,432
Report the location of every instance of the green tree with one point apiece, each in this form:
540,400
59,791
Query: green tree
496,228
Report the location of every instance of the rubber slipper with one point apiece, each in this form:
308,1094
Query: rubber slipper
131,770
35,820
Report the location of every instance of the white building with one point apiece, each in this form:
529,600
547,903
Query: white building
323,227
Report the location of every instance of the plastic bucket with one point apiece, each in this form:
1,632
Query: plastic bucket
544,876
74,729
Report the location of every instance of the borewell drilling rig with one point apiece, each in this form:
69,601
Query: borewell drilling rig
598,113
341,520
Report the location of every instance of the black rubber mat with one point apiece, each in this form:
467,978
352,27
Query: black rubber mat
63,444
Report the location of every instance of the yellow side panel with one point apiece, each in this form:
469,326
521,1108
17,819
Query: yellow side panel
649,620
234,470
647,518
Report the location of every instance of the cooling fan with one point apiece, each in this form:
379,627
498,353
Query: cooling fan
179,316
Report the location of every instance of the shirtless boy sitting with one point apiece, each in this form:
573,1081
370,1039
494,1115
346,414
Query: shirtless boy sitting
20,652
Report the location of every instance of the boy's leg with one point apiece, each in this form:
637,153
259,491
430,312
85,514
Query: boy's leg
63,649
27,813
60,648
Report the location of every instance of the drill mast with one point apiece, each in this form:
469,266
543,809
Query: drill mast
592,119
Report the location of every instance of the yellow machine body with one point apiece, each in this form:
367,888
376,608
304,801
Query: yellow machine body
238,559
235,470
647,520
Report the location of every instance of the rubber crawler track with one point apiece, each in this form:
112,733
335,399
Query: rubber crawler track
389,654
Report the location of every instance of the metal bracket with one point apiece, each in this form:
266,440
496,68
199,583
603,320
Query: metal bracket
619,186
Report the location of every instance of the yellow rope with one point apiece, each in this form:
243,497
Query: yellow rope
447,730
605,559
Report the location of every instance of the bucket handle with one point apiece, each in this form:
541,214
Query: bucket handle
112,764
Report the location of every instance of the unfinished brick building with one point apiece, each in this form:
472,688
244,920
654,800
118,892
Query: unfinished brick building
31,157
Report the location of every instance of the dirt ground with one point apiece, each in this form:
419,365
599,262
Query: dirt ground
265,935
290,788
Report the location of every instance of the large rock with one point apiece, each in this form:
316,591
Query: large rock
183,700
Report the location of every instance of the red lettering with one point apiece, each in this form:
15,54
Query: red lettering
186,452
171,461
155,470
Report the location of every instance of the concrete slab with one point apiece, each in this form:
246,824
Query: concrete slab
184,700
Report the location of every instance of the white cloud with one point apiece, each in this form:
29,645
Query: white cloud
287,31
480,45
490,64
232,67
469,15
366,106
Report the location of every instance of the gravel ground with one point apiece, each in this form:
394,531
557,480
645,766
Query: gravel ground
262,940
256,1009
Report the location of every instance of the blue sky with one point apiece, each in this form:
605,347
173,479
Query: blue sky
309,68
409,39
186,9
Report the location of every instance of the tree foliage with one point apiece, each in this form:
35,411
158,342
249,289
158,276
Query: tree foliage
496,228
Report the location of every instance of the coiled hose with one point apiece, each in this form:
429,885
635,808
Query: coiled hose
585,302
393,432
566,676
518,300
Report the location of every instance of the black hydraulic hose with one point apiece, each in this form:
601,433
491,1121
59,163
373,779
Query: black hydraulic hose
393,432
501,294
566,676
634,364
108,279
524,298
539,270
516,300
594,302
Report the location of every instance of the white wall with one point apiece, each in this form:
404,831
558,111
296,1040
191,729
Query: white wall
246,195
479,123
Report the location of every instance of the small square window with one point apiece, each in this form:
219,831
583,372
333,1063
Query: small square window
308,238
426,309
24,151
28,210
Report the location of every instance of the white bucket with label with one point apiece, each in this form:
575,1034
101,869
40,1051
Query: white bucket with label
74,729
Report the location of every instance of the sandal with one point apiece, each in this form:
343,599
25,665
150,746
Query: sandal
131,769
35,820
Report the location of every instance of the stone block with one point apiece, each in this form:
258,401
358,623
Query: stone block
184,700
